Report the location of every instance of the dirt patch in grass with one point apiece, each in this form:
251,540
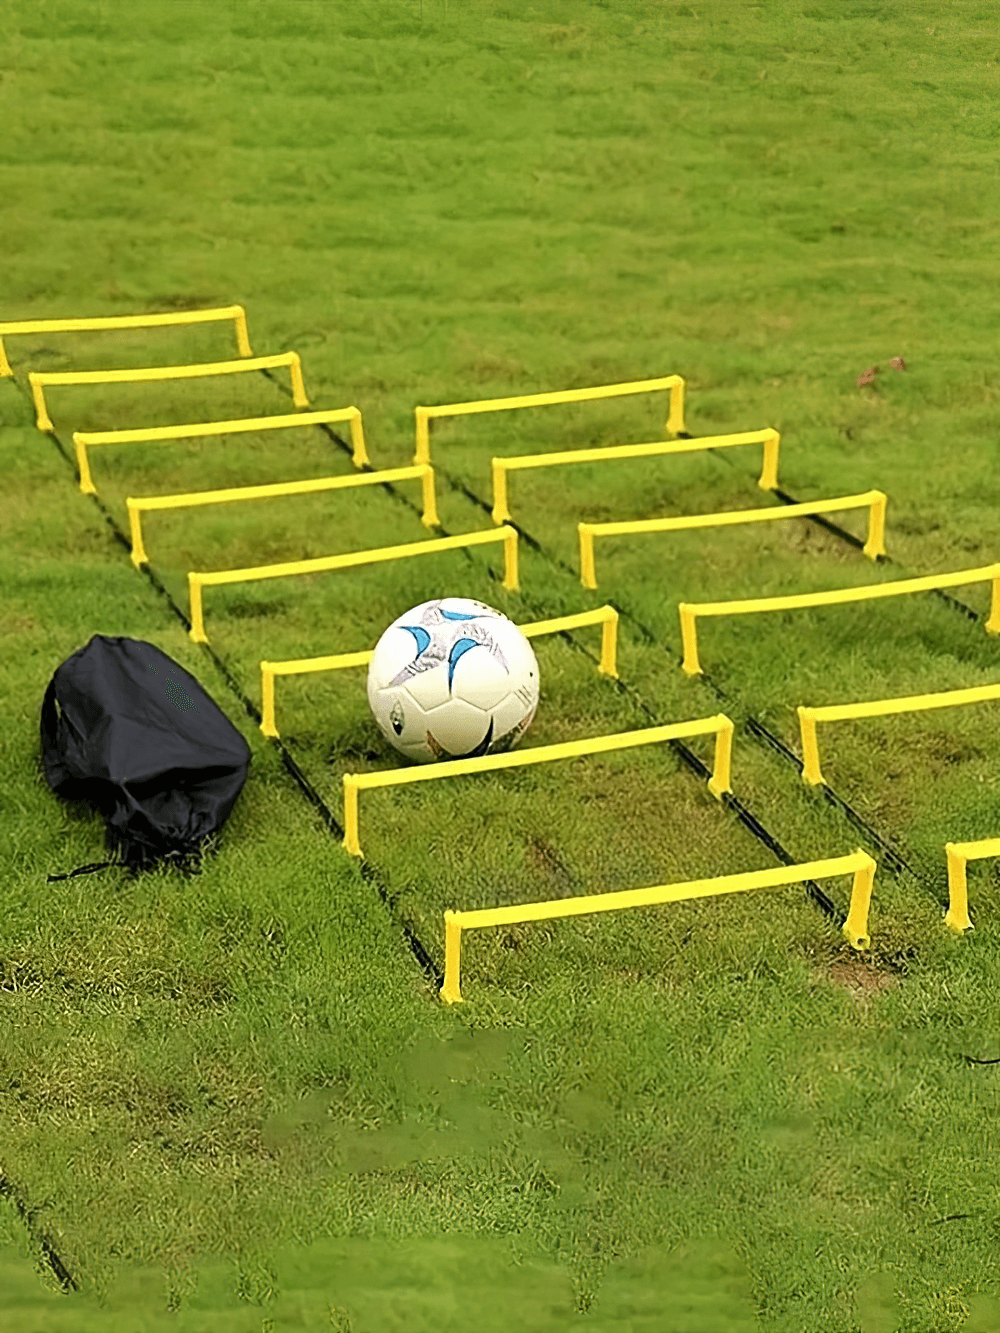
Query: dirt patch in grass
861,975
861,979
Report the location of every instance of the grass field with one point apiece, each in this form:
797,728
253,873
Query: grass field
235,1101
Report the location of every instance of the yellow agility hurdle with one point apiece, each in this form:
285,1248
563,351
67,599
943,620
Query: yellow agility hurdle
615,452
674,424
690,611
959,854
26,326
720,726
197,581
606,616
136,505
859,863
913,703
38,379
873,501
84,440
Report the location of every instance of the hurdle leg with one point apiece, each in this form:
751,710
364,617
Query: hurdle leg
689,638
810,748
856,925
957,916
450,991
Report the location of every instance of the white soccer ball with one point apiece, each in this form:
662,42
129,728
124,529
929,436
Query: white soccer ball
451,679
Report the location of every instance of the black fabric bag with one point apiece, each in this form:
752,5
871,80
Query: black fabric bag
126,728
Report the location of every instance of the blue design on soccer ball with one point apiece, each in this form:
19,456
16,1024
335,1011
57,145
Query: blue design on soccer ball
437,636
458,649
421,636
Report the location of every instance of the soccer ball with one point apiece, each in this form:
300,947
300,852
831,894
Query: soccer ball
452,679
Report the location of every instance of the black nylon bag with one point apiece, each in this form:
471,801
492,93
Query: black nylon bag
126,728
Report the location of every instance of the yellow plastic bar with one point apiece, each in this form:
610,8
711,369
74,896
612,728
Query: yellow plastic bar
138,504
958,855
674,424
606,616
913,703
689,611
859,864
83,440
197,581
768,480
873,501
720,726
38,379
26,326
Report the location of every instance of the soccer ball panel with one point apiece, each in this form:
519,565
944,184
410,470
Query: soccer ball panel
510,721
479,678
457,729
430,688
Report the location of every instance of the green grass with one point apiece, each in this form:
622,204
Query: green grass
235,1098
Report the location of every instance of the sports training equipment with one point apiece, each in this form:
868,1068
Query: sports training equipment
451,679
